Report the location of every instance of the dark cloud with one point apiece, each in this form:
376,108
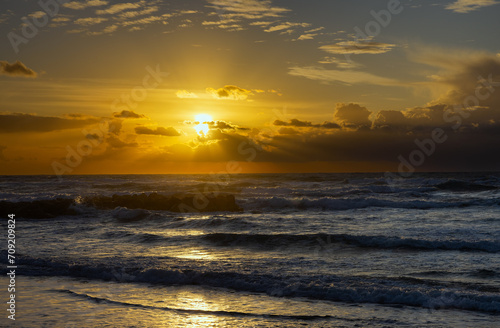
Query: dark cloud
288,131
225,126
352,116
128,114
115,142
17,122
293,122
217,146
159,131
93,136
330,125
230,92
470,150
16,69
221,125
305,124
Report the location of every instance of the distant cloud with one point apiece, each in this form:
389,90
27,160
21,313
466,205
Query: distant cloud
305,124
38,14
159,131
344,64
352,116
344,76
224,126
78,5
261,23
16,69
308,36
286,26
145,20
289,131
466,6
358,47
390,119
132,13
116,143
128,114
184,94
251,9
90,21
120,7
226,24
230,92
17,122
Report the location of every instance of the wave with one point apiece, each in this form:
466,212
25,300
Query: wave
328,203
51,208
459,185
213,222
349,289
100,300
155,201
323,241
39,209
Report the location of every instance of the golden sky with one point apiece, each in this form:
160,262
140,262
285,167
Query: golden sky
248,86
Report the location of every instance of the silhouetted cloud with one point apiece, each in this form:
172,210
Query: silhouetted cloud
159,131
16,69
288,131
352,116
17,122
305,124
390,119
230,92
225,126
115,142
128,114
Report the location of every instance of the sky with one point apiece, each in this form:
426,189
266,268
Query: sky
249,86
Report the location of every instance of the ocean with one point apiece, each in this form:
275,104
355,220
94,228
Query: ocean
290,250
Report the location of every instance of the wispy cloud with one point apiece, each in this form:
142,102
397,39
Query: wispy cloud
344,64
132,14
78,5
251,9
286,26
354,47
90,21
345,76
184,94
120,7
466,6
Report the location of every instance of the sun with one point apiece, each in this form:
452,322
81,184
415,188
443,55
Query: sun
202,126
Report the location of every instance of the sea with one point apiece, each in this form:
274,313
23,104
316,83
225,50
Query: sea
300,250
